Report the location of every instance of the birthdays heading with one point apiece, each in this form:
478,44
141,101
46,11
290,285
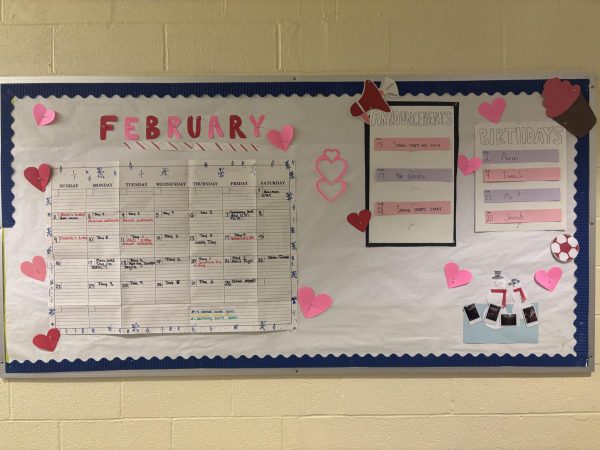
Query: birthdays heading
193,127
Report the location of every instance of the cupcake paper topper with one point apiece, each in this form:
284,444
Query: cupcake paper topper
566,105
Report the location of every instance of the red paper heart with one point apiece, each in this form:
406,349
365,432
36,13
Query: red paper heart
312,305
47,341
361,220
39,177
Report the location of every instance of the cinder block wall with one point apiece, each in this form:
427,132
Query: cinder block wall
222,37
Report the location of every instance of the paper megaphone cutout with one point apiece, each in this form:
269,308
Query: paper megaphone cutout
370,99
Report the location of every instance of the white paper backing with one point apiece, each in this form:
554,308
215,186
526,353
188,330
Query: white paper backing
386,300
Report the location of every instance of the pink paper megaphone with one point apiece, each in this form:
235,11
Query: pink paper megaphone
371,98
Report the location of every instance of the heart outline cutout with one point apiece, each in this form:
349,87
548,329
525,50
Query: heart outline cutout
468,166
327,156
47,341
282,139
326,195
313,305
35,269
360,220
42,115
492,111
38,177
548,279
456,276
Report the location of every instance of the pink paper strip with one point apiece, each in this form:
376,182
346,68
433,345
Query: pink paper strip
523,216
405,208
513,175
411,144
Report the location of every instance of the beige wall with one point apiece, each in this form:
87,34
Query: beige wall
175,37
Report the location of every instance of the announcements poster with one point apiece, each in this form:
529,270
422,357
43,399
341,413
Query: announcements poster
411,174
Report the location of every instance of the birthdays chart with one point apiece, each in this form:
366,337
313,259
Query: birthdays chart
411,176
296,225
172,247
522,184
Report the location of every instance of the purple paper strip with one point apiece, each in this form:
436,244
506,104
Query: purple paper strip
444,175
519,156
521,195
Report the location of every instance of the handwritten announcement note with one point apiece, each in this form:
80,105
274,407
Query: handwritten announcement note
411,174
522,182
173,247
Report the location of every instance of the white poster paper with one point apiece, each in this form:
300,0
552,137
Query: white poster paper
522,182
172,247
411,174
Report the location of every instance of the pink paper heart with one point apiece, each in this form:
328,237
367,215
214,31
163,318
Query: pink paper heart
312,305
35,269
281,139
42,115
548,280
47,341
39,177
493,111
331,166
456,277
468,166
330,191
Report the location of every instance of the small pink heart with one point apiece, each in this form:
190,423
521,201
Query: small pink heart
548,280
39,177
456,277
330,191
493,112
42,115
35,269
312,305
468,166
281,139
47,341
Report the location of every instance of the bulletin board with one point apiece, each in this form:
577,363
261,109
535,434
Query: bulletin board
176,226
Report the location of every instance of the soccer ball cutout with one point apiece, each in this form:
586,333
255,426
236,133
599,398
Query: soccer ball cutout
564,248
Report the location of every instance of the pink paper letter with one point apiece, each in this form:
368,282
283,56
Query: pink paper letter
172,123
257,124
213,125
130,128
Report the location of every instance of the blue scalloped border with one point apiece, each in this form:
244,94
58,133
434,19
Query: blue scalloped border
582,186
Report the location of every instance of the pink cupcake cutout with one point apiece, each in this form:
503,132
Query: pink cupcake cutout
566,105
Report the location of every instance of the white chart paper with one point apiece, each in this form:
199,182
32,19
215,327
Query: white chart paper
411,174
521,184
173,247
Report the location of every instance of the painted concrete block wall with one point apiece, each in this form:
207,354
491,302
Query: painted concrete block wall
223,37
